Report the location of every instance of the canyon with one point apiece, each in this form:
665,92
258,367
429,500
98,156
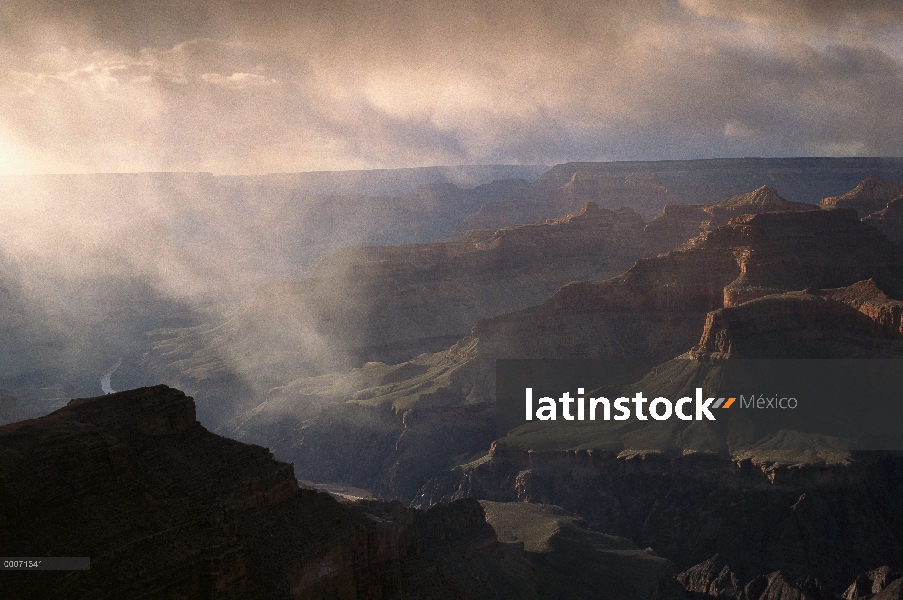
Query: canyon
409,418
374,373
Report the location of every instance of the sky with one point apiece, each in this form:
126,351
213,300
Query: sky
241,87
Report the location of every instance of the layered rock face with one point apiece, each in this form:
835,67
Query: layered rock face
659,306
882,583
389,303
439,290
714,579
762,200
857,321
678,223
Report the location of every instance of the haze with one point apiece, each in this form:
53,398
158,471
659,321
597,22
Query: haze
279,86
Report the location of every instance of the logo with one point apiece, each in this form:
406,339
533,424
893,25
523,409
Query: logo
569,403
623,408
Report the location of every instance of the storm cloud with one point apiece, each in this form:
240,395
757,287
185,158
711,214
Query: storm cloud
254,87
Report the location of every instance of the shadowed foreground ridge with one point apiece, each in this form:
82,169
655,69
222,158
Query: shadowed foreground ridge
166,509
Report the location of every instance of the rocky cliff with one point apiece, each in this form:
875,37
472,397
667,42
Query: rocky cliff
165,509
677,223
390,303
659,306
857,321
788,516
870,195
760,286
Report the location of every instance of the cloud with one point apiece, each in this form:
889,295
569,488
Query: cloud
280,86
836,13
237,80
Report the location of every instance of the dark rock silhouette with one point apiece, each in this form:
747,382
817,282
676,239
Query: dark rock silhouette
165,509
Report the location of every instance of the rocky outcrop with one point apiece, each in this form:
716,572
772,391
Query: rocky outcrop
760,509
882,583
761,514
134,482
165,509
678,223
777,585
869,299
712,578
660,305
804,325
870,195
763,200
